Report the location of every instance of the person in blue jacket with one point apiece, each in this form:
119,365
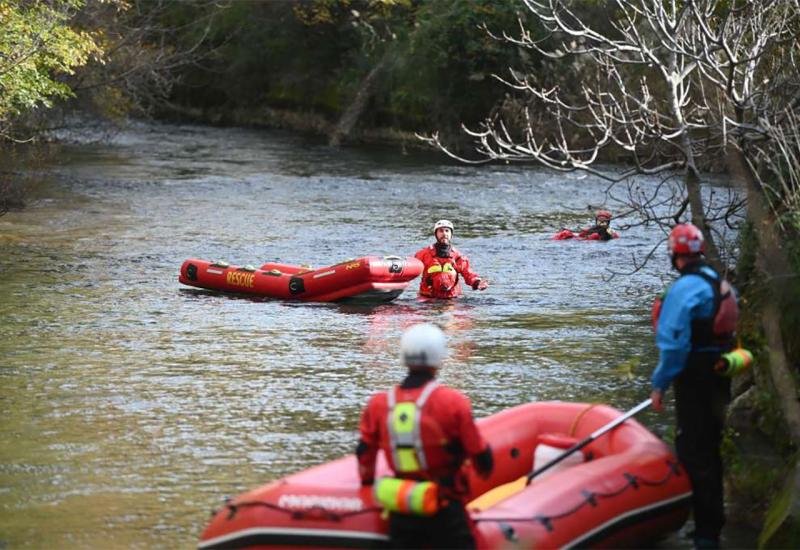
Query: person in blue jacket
695,324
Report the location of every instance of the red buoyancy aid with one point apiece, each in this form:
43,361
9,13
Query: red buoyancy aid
440,276
722,324
727,314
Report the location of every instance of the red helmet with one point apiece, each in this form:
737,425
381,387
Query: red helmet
603,215
686,239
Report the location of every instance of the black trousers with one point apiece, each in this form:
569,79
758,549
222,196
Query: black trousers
701,398
450,528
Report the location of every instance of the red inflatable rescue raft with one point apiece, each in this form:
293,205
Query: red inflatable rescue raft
367,278
626,489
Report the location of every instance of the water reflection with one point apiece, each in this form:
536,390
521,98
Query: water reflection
386,322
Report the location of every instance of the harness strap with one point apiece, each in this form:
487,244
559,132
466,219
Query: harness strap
412,438
703,329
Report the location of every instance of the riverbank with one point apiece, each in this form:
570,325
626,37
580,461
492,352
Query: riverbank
304,122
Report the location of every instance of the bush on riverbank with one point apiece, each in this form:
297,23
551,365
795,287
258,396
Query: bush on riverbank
762,461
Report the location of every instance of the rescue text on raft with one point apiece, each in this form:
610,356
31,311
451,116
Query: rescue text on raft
368,278
625,488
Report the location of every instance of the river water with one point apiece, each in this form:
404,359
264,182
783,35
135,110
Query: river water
132,406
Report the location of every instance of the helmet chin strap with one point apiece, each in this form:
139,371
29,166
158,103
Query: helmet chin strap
442,249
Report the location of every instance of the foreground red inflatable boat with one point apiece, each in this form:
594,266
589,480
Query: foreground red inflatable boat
368,278
629,491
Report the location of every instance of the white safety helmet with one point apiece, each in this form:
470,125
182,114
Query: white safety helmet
443,223
423,345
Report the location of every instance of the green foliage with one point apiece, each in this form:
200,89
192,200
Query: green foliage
781,525
37,45
443,70
750,479
279,54
313,56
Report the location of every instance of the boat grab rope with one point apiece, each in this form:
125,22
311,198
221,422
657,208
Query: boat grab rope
312,512
591,498
578,418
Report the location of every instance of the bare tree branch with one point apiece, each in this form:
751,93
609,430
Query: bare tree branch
674,85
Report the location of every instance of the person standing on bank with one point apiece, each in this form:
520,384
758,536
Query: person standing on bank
426,432
443,265
694,325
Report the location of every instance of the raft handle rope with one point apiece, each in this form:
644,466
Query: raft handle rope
573,428
591,497
313,512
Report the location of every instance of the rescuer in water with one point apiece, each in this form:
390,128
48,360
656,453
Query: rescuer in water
426,431
601,230
695,326
443,265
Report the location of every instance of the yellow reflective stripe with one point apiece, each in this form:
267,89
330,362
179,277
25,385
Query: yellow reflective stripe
437,268
404,414
407,461
403,424
403,418
385,490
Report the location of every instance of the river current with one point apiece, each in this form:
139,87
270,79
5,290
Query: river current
132,405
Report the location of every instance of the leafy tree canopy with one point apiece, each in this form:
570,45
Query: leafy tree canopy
36,46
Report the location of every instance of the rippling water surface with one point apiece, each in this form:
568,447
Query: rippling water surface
131,406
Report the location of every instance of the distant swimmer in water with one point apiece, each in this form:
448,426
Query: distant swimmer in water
600,231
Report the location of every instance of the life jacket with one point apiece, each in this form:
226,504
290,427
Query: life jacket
442,276
405,421
717,330
597,233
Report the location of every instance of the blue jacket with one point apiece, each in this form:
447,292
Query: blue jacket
690,297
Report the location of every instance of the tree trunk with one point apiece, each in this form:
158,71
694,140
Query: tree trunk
772,261
351,115
692,175
694,193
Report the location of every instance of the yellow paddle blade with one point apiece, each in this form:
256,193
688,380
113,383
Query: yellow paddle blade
501,492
